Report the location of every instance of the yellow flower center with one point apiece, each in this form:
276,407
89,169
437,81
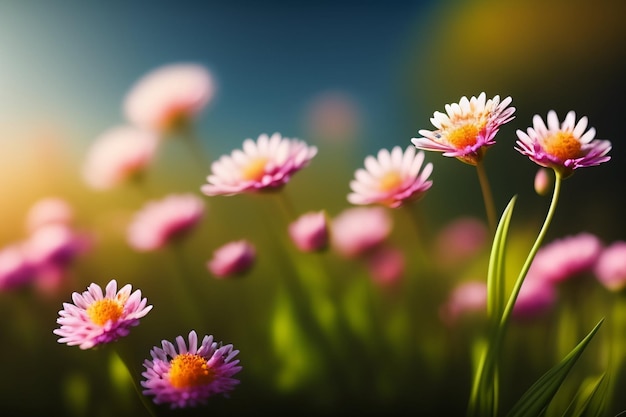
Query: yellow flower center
562,145
255,170
104,310
463,136
189,370
390,181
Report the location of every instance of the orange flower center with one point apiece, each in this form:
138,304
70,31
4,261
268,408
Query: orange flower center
562,145
463,136
390,181
189,370
255,170
104,310
173,119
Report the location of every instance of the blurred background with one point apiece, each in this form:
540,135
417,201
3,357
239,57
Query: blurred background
383,67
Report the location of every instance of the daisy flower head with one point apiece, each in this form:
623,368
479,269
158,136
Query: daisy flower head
309,232
55,244
16,270
535,297
563,147
386,265
358,230
392,178
169,97
610,268
234,258
265,164
119,154
565,258
161,222
96,317
186,375
467,128
466,298
459,241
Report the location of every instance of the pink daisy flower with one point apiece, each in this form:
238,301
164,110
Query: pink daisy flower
392,178
459,241
15,268
187,375
98,318
535,297
310,232
466,297
263,165
168,97
467,129
610,268
160,222
562,147
386,265
55,244
357,230
119,154
564,258
234,258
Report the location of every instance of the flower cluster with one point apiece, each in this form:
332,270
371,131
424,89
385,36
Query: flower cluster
45,256
359,238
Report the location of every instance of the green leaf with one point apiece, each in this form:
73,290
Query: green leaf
484,395
539,395
495,276
589,400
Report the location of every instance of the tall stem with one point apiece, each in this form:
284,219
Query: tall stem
487,371
487,195
533,251
133,373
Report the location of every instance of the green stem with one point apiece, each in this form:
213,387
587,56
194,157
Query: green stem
194,143
533,251
487,195
134,374
485,382
414,220
185,288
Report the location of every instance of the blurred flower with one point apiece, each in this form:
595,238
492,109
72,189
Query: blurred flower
15,268
189,375
310,231
168,97
163,221
610,268
535,297
467,129
49,210
391,179
466,297
459,241
386,265
117,155
51,249
234,258
564,258
543,181
358,229
96,318
55,244
564,147
265,164
333,116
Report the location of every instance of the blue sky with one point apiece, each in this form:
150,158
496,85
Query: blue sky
71,62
